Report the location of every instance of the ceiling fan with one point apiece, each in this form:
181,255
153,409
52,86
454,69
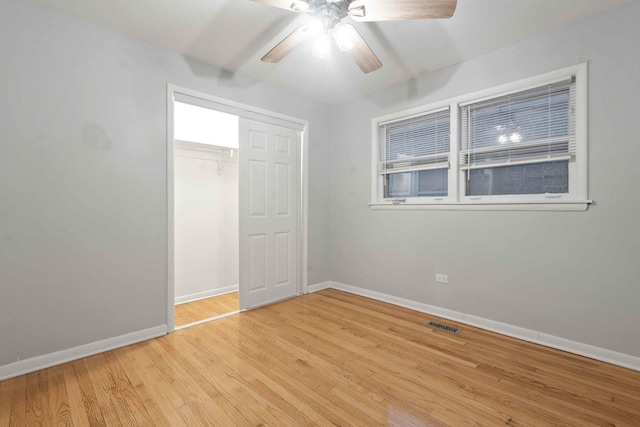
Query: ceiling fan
328,17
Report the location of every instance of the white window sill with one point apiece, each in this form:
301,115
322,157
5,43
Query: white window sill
572,205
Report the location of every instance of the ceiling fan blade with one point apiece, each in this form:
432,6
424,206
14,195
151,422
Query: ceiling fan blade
282,4
401,10
364,56
288,44
294,5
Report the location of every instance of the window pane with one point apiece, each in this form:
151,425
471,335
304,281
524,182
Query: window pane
536,178
515,123
399,185
533,115
427,183
433,183
534,125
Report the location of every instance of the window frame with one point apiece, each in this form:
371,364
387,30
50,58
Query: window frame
381,147
575,200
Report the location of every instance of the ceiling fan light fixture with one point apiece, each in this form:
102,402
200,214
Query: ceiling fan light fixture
345,36
299,6
322,47
327,24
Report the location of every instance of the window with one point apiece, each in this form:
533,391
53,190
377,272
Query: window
519,146
519,143
415,153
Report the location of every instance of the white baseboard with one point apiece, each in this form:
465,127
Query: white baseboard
45,361
625,360
205,294
587,350
319,286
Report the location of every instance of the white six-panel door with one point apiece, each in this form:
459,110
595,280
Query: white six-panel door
268,213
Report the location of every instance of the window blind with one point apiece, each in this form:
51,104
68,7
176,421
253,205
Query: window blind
531,126
416,143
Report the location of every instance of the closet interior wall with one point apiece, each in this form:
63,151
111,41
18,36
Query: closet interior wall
206,221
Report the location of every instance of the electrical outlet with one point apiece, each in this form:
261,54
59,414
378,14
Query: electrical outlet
442,278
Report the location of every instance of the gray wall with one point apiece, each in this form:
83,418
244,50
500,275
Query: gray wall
83,181
573,275
83,178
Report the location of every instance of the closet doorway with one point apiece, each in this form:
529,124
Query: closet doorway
236,207
206,214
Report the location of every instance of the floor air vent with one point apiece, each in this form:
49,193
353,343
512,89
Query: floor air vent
443,327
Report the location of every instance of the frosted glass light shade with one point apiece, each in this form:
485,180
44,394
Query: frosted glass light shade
322,48
345,36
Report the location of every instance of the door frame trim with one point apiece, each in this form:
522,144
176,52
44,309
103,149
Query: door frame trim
248,112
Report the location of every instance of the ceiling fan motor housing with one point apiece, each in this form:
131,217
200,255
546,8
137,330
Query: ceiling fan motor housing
329,13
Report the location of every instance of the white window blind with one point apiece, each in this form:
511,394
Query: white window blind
531,126
416,143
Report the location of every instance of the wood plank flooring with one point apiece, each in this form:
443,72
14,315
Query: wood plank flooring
328,358
205,308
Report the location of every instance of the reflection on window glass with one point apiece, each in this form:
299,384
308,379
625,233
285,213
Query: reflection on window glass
536,178
426,183
510,121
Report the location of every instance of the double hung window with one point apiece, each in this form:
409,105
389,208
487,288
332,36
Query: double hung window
521,144
415,153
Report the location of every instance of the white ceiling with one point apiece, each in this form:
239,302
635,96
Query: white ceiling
235,34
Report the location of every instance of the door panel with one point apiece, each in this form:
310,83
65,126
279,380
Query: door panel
283,145
257,140
283,255
268,213
283,187
257,188
258,262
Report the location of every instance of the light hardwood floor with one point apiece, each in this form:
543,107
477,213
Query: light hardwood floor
205,308
328,358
